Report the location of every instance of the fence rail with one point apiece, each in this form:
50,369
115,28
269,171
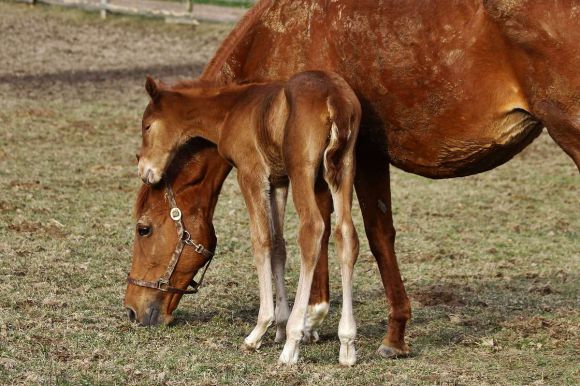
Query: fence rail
188,12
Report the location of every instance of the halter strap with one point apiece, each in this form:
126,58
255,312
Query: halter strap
184,238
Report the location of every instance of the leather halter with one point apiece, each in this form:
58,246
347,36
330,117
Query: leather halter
184,238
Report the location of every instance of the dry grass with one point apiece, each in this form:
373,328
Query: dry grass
491,261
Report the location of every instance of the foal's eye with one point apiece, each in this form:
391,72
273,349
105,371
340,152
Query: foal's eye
146,128
144,230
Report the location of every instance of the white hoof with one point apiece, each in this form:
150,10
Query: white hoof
289,354
310,336
315,315
347,355
250,345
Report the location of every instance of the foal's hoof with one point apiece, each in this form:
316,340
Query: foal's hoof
390,352
347,354
250,347
310,337
289,355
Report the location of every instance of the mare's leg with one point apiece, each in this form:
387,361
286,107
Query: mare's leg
374,194
566,135
310,235
278,198
347,248
256,195
319,304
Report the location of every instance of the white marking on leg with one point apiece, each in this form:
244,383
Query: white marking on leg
315,315
266,312
347,247
295,326
260,219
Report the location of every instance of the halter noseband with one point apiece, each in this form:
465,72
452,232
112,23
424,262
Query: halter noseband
184,238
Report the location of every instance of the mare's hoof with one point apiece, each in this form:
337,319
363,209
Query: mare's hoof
390,352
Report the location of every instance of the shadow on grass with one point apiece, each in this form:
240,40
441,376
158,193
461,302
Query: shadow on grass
459,311
72,78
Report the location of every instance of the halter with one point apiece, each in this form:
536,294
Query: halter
184,238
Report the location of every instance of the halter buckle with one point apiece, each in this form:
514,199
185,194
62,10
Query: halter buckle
175,214
199,249
161,283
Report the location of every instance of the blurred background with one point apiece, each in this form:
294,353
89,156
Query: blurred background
174,11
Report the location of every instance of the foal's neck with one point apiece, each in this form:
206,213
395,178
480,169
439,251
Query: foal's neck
208,109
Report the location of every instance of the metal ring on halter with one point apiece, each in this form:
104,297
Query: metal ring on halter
175,214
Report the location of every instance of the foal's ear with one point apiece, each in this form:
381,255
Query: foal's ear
152,88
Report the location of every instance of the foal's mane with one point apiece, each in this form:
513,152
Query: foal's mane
188,84
185,84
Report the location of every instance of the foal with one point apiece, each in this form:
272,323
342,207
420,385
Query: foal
301,132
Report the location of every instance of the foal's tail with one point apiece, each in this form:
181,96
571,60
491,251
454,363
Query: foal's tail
344,127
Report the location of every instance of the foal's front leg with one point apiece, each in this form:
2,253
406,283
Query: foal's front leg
256,191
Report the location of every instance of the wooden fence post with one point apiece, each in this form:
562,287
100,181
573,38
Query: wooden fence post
190,6
104,9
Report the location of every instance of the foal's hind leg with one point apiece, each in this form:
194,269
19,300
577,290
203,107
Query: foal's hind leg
318,305
309,238
347,248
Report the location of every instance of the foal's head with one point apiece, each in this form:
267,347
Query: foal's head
173,115
161,129
196,175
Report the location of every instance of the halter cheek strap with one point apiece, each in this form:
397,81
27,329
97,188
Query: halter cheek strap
184,238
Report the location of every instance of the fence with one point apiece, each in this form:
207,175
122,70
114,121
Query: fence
185,11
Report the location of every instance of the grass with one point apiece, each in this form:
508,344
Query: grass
490,261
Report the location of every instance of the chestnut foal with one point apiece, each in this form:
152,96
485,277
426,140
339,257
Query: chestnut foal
303,132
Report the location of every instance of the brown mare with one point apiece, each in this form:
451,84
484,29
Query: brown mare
302,132
448,88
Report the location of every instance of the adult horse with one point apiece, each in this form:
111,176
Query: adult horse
449,88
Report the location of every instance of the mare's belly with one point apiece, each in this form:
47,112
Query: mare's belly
440,154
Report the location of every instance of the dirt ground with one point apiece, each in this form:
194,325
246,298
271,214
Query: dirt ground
490,262
203,12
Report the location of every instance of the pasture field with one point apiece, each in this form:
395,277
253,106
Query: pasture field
491,262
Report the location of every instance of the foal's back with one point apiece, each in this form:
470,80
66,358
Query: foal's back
271,122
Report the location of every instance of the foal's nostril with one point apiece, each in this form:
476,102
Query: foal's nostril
131,314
